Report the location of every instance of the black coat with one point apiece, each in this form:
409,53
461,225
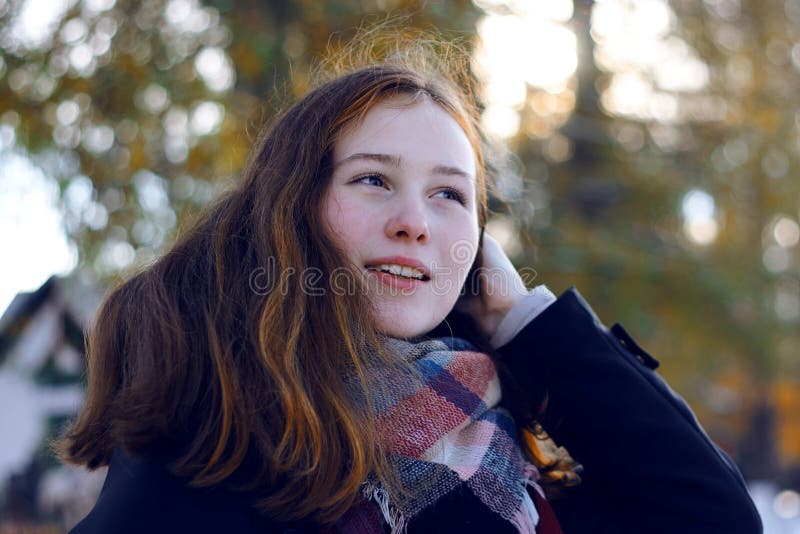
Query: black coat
648,465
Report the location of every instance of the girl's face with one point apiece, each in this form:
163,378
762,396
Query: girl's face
402,206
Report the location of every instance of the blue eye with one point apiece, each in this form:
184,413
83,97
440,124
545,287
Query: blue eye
371,179
454,194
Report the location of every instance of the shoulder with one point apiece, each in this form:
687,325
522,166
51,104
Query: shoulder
139,495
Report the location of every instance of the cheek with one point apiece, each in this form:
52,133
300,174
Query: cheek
344,221
463,240
460,254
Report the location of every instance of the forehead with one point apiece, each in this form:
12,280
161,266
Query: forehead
415,128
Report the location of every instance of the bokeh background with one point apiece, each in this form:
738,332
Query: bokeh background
655,156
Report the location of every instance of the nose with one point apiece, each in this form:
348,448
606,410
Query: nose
409,222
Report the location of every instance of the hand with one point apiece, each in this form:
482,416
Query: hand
500,288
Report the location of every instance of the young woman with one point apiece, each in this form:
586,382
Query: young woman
300,360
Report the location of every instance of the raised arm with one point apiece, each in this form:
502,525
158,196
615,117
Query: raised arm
648,464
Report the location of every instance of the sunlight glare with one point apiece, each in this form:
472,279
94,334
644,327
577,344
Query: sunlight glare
529,48
557,10
635,43
206,118
786,232
502,121
698,213
32,234
628,94
549,49
509,92
555,58
215,68
37,21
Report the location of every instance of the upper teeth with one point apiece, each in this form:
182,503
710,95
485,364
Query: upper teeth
402,270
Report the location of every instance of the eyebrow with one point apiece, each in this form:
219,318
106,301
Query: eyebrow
394,161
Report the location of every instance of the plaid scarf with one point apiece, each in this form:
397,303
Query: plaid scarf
445,433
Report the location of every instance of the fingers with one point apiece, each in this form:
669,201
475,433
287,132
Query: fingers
494,256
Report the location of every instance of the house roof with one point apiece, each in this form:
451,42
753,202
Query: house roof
75,299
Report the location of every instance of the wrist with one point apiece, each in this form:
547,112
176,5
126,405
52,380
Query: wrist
498,309
527,308
501,304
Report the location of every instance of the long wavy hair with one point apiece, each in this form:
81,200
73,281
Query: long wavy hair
218,360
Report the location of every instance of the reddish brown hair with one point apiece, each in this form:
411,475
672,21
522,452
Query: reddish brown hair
217,359
252,386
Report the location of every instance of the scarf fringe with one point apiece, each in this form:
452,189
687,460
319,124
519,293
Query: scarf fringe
393,517
526,518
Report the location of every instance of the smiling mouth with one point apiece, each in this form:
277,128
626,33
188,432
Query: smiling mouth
401,271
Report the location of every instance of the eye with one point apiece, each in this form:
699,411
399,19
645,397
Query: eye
453,194
371,179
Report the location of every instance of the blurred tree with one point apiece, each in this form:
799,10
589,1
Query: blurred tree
751,157
673,198
660,177
143,110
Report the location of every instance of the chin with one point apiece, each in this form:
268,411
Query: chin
405,328
403,332
407,322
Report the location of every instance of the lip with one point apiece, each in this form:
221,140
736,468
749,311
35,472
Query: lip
396,283
402,261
